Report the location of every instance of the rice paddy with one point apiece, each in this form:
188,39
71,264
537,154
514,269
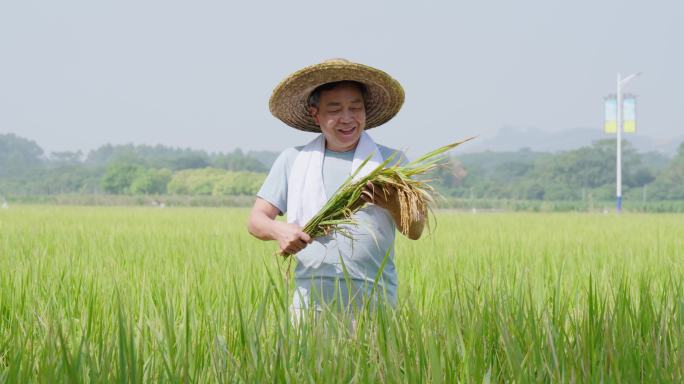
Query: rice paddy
186,295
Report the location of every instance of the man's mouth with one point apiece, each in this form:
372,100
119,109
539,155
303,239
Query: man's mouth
347,131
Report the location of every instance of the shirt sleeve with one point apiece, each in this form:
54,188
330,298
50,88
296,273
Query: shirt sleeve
274,189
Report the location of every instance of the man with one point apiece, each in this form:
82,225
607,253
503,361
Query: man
341,100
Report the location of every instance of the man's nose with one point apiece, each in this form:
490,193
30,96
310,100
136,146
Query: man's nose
346,116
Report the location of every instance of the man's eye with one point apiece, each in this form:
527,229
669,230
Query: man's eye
334,111
355,109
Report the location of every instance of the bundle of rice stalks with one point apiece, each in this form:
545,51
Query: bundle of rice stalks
415,195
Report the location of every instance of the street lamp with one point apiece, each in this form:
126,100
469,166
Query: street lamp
620,83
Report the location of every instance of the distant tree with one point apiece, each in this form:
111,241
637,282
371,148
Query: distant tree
119,176
239,183
513,170
68,179
157,156
150,181
488,162
530,189
195,181
266,158
100,156
587,167
65,158
640,177
52,181
189,161
216,182
655,161
669,184
18,155
238,161
559,192
176,159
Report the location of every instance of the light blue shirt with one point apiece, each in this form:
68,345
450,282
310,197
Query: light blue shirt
320,270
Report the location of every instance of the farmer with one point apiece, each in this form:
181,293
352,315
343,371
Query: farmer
341,100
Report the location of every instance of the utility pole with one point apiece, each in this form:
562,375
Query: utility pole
620,84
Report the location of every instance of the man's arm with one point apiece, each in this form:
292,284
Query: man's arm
262,225
389,200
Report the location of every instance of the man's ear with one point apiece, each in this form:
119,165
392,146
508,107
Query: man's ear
313,111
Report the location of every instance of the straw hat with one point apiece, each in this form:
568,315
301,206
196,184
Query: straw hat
289,101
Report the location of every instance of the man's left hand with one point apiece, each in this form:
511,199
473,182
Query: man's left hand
382,197
388,198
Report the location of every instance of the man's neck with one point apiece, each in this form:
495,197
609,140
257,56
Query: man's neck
341,149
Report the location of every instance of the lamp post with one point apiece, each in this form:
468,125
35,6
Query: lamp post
620,83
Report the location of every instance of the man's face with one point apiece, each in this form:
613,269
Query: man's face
341,115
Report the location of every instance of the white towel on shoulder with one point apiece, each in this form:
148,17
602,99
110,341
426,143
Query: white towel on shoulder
305,190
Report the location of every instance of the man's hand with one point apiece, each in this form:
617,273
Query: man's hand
291,239
388,198
263,225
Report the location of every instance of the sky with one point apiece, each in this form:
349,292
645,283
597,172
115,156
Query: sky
75,75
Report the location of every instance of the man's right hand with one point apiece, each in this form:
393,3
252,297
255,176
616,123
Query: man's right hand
291,239
263,225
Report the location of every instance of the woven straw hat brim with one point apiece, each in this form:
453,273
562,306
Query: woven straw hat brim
289,101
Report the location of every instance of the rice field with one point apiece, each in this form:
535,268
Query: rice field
186,295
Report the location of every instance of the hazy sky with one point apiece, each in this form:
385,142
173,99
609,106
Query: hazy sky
78,74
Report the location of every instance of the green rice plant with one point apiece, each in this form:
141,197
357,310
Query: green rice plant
102,295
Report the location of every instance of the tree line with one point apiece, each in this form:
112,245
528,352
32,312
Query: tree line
25,169
586,173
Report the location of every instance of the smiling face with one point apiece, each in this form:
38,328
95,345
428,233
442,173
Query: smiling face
341,115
